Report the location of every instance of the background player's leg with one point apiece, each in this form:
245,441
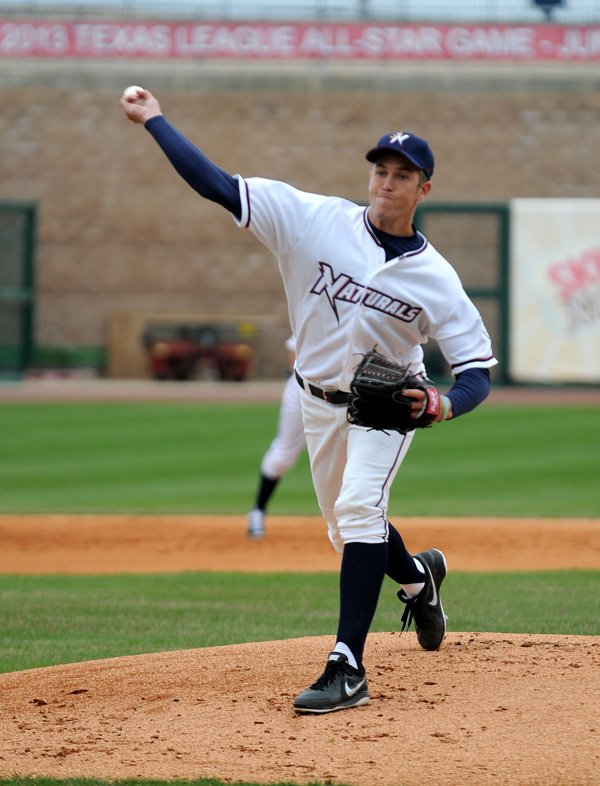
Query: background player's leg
256,517
289,440
325,429
264,492
282,454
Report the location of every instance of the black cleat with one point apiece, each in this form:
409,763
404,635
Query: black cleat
339,687
426,608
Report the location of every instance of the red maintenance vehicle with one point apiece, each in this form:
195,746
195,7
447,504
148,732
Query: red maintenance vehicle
192,352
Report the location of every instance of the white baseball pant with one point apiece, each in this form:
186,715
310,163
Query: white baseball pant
289,440
353,469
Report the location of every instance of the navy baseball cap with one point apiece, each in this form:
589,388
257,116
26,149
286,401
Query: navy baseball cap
407,144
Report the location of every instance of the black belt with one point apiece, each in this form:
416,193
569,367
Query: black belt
337,397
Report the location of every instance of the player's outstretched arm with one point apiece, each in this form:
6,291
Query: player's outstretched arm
139,104
205,177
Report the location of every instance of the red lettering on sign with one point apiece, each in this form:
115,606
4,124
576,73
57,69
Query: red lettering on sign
576,273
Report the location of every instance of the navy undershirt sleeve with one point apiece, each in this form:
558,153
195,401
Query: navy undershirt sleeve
470,389
194,167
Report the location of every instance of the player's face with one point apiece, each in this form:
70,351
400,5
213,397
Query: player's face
395,188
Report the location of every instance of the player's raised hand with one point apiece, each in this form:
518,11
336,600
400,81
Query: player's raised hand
139,104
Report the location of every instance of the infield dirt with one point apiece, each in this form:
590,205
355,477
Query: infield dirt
502,709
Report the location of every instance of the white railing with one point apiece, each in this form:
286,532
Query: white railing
577,12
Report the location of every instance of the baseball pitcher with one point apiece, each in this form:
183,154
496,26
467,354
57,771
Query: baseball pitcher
365,291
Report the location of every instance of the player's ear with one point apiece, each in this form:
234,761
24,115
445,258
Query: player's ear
424,190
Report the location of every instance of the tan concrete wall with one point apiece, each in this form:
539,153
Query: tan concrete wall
120,232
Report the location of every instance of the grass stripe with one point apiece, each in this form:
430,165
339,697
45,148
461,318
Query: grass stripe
46,620
188,458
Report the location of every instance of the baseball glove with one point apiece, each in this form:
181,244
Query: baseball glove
376,399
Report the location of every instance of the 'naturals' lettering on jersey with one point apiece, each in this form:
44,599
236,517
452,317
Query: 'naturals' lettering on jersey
344,288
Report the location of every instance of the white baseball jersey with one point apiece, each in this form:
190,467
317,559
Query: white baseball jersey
344,298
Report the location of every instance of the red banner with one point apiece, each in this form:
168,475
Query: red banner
262,41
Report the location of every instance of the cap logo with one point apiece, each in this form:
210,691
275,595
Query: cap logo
399,137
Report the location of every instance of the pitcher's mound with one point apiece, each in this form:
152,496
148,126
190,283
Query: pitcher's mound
501,709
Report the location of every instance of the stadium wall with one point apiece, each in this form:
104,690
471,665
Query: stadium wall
120,235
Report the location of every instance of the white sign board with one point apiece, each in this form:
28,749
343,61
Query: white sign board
555,290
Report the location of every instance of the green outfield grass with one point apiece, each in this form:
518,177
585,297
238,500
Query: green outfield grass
46,620
200,458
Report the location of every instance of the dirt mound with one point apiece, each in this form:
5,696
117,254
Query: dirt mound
506,710
501,709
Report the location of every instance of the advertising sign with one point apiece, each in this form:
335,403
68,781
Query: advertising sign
298,41
555,290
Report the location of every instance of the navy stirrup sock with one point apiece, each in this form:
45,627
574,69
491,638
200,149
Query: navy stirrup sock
401,566
361,576
266,487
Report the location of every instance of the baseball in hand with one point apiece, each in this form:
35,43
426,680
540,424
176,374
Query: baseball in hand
132,93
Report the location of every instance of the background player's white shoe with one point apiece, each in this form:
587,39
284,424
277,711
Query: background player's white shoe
256,524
